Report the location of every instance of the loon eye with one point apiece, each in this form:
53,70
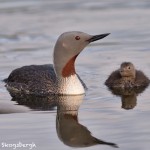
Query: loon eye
77,37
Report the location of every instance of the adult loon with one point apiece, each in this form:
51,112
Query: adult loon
59,78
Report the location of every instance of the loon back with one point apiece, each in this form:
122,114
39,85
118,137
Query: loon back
34,79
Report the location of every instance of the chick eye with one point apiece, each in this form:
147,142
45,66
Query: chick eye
77,38
129,68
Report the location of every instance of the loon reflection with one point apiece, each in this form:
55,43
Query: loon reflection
128,96
69,130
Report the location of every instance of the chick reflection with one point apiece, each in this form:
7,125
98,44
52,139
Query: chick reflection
69,130
128,96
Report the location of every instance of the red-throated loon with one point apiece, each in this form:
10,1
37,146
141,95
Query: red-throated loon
59,78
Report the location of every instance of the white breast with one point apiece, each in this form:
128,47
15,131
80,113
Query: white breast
70,86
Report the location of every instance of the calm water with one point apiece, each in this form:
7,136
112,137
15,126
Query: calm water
28,31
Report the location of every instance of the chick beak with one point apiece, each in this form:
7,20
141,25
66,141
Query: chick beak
97,37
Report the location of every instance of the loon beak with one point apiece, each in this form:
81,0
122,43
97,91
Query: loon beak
97,37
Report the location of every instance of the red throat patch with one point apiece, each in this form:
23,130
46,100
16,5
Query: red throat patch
69,68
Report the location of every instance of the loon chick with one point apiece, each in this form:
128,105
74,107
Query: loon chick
127,77
60,78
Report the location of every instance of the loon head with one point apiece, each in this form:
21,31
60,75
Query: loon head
68,47
127,69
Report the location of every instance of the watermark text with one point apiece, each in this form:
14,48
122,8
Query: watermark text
18,145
